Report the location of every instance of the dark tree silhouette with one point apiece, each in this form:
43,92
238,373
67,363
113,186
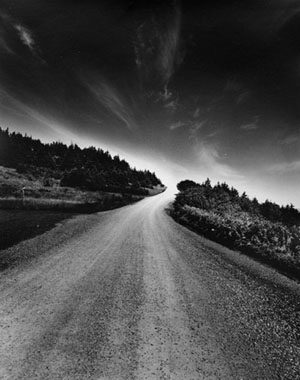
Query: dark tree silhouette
88,168
221,198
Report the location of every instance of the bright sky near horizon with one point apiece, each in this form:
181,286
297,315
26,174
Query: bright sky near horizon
187,90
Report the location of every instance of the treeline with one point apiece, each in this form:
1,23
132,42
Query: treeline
222,198
265,230
89,168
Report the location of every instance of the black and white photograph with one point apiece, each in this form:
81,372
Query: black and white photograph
149,190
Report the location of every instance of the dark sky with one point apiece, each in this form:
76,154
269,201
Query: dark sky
189,90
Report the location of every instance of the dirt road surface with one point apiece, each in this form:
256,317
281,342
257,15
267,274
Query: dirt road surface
130,294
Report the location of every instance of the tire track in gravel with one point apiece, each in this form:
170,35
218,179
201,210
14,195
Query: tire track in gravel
169,348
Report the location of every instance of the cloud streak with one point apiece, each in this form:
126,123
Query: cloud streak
5,25
249,127
176,125
157,47
7,36
252,126
112,100
169,46
35,116
210,161
195,127
26,37
291,139
286,167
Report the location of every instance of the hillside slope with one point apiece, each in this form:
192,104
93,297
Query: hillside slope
265,230
58,164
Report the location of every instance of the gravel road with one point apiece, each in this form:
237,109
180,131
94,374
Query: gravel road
130,294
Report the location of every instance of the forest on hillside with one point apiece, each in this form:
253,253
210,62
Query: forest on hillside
265,230
224,199
88,169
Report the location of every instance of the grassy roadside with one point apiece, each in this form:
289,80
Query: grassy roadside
25,219
278,255
19,225
20,191
28,209
106,202
269,242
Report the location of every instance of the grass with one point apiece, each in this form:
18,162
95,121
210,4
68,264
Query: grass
12,203
106,202
24,219
23,191
270,243
18,225
28,208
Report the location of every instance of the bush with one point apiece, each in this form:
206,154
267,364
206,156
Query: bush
270,242
267,231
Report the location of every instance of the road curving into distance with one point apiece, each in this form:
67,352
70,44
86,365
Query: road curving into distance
133,295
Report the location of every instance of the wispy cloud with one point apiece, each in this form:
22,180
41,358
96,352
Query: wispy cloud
176,125
253,125
212,134
26,36
157,47
291,139
169,46
195,127
111,99
4,45
285,167
172,105
21,109
5,25
285,11
210,161
249,127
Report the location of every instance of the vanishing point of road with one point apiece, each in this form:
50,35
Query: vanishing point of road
130,294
